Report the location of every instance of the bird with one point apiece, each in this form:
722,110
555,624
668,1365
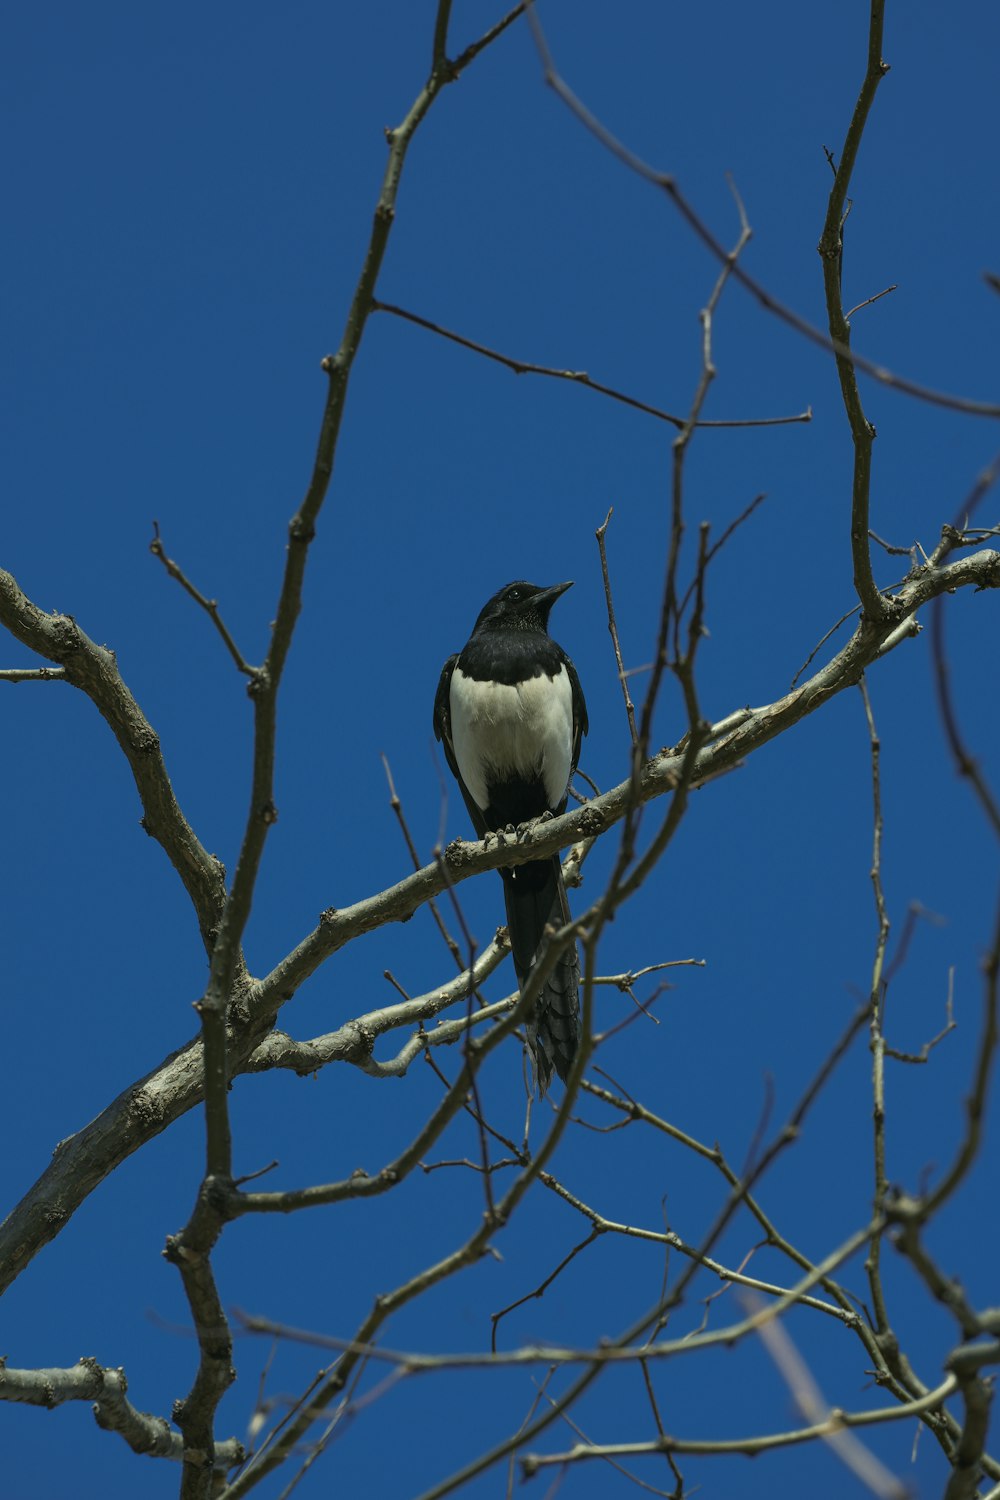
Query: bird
510,714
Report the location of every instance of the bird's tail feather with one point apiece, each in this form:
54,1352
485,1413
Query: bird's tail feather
536,898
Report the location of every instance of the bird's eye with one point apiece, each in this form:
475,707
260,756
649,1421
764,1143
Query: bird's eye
514,594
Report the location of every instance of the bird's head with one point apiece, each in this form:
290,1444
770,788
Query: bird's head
520,606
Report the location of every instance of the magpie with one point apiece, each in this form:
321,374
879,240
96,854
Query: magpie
510,713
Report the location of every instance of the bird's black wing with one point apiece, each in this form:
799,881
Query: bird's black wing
442,712
581,724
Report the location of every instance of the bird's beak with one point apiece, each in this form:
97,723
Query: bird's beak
548,596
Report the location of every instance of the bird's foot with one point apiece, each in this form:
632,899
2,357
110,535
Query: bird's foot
525,830
499,838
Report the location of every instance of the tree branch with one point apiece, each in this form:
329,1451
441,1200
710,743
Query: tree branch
93,670
89,1381
580,377
837,1421
831,249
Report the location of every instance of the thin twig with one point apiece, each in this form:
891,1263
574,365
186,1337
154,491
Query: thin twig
975,1102
33,674
511,1467
869,300
397,807
672,1241
822,642
626,980
634,1479
876,1001
928,1047
762,1443
210,606
543,1286
888,547
670,609
613,627
580,377
716,547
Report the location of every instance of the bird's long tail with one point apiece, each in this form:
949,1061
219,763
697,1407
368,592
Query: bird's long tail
536,897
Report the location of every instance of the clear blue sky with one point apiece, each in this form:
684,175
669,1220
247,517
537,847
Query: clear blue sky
189,192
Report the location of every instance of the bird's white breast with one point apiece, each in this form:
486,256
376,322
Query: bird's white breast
500,731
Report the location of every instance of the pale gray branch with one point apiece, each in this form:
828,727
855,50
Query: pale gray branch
836,1422
89,1381
32,674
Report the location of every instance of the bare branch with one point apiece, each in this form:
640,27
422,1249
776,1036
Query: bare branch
822,642
836,1422
93,670
673,1241
620,1468
600,533
397,807
717,547
876,1002
543,1286
580,377
210,606
105,1389
975,1103
190,1251
888,547
928,1047
33,674
869,300
831,249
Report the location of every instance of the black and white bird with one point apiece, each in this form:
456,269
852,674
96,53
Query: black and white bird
510,713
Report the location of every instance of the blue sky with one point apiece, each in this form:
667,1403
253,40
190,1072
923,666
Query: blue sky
189,198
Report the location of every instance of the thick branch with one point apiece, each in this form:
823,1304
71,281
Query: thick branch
354,1042
89,1381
